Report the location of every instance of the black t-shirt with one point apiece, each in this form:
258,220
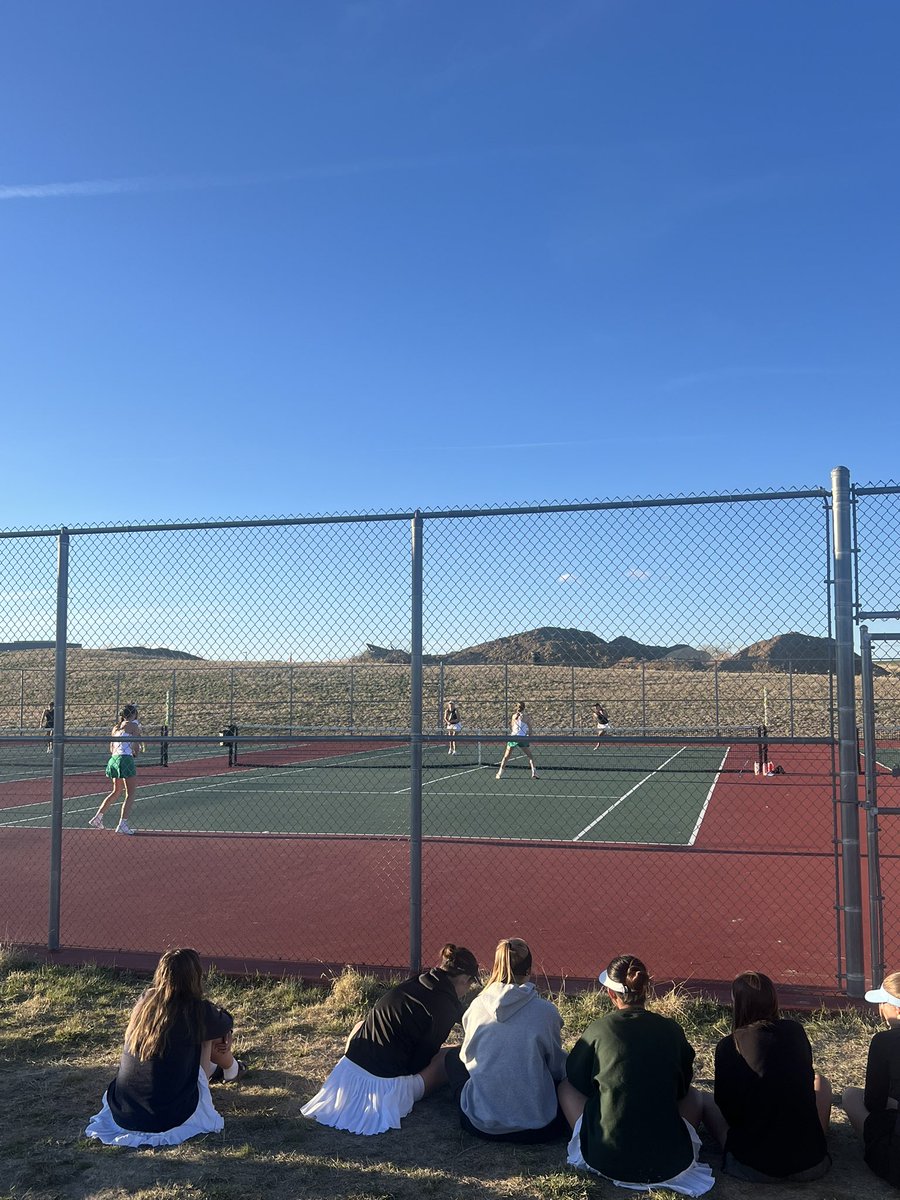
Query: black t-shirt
161,1093
764,1087
407,1026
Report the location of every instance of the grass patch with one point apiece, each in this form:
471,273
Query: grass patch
60,1038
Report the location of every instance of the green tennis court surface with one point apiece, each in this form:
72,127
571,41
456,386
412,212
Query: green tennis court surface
619,793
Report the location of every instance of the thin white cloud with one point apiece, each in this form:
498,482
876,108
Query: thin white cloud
723,374
639,573
569,577
142,184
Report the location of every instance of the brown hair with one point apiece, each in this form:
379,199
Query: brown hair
754,999
512,961
457,960
631,973
175,994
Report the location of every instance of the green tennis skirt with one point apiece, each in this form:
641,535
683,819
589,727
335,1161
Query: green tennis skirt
121,766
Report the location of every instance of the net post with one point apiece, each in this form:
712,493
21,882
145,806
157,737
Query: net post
415,747
59,732
851,868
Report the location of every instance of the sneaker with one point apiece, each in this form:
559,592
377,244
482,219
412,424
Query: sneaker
96,821
124,827
498,775
218,1075
534,775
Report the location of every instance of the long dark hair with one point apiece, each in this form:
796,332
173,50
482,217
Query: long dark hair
755,999
175,994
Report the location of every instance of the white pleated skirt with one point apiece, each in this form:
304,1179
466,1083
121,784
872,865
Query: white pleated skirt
694,1180
204,1119
353,1100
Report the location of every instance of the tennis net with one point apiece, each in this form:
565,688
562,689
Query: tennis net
679,749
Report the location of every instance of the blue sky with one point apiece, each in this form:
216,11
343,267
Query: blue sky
282,258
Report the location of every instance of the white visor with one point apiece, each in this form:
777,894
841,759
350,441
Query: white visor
611,983
880,996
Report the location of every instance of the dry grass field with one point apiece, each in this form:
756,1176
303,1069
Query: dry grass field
359,697
60,1037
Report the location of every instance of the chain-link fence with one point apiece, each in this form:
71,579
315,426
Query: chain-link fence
336,766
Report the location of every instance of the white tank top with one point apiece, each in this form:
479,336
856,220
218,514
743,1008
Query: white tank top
122,746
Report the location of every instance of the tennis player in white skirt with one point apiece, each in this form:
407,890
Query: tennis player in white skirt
176,1041
395,1055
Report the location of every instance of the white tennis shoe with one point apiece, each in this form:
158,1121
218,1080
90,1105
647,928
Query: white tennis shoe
124,827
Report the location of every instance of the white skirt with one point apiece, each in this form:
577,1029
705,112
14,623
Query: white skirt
694,1180
352,1099
204,1119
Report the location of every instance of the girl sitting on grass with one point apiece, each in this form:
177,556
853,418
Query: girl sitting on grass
395,1054
176,1041
506,1071
775,1109
627,1094
873,1113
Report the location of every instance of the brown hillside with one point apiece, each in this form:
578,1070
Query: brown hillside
789,652
547,646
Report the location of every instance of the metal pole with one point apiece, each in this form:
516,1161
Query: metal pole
415,749
440,716
59,732
231,696
644,697
506,695
791,697
22,703
573,701
876,899
846,704
352,686
118,696
716,691
291,698
172,721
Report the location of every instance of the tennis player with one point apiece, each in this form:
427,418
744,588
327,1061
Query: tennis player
125,745
601,719
395,1054
520,727
452,723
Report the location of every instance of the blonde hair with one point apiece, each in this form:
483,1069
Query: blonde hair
512,961
175,993
891,983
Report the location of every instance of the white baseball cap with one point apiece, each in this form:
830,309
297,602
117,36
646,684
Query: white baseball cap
881,996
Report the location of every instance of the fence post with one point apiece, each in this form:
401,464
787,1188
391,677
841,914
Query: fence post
791,697
351,699
643,697
415,748
506,695
231,696
59,733
291,698
118,696
171,722
440,715
573,700
846,702
22,702
716,692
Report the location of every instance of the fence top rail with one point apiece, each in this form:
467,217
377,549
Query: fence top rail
435,514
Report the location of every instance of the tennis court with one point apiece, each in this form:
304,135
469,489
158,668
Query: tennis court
653,794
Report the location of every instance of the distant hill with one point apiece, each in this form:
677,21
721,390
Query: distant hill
4,646
548,646
796,652
152,652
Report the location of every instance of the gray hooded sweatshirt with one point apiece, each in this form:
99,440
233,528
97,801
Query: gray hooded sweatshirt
514,1057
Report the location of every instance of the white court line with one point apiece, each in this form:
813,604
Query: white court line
440,779
631,791
699,821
